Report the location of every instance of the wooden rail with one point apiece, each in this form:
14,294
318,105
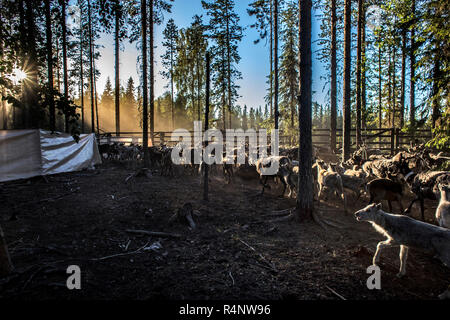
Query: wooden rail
385,139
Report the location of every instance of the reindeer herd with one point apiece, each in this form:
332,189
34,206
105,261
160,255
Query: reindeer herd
382,178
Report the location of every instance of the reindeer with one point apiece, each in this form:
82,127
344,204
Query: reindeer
443,210
385,189
407,232
284,171
328,179
424,185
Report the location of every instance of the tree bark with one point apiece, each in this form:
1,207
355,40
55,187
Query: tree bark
48,32
346,84
4,109
358,75
144,84
95,90
31,113
435,103
117,61
379,90
363,71
394,86
65,75
152,75
91,72
206,179
228,65
403,80
275,11
271,60
305,205
333,89
81,73
412,58
389,121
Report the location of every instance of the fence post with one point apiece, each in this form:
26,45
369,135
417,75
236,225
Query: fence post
392,141
397,139
205,181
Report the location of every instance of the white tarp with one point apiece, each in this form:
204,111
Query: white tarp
30,153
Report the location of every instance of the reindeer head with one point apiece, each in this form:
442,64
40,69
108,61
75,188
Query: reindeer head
368,213
444,189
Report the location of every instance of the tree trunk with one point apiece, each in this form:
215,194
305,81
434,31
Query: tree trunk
152,76
275,11
363,71
394,86
305,205
389,89
48,32
206,179
223,92
4,109
65,75
197,74
144,84
117,76
271,60
91,72
333,89
346,84
81,73
32,113
379,90
228,64
402,93
95,90
435,99
171,94
412,58
358,75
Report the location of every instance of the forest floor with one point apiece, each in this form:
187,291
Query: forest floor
234,253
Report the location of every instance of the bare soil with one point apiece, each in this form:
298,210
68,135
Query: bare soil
234,253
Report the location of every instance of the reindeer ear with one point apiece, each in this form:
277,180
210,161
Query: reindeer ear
378,206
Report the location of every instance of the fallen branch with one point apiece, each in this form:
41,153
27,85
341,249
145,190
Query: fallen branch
155,234
337,294
279,213
290,216
143,172
272,267
231,276
120,254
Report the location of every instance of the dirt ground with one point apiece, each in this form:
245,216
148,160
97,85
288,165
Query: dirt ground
234,253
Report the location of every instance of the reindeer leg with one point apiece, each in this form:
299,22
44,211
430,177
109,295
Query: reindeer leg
422,208
390,206
403,257
284,188
380,246
399,200
411,204
264,183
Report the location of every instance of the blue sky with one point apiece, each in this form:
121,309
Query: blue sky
254,64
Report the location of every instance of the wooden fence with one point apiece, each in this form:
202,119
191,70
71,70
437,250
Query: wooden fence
389,140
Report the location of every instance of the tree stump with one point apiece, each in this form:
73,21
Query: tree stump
184,215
